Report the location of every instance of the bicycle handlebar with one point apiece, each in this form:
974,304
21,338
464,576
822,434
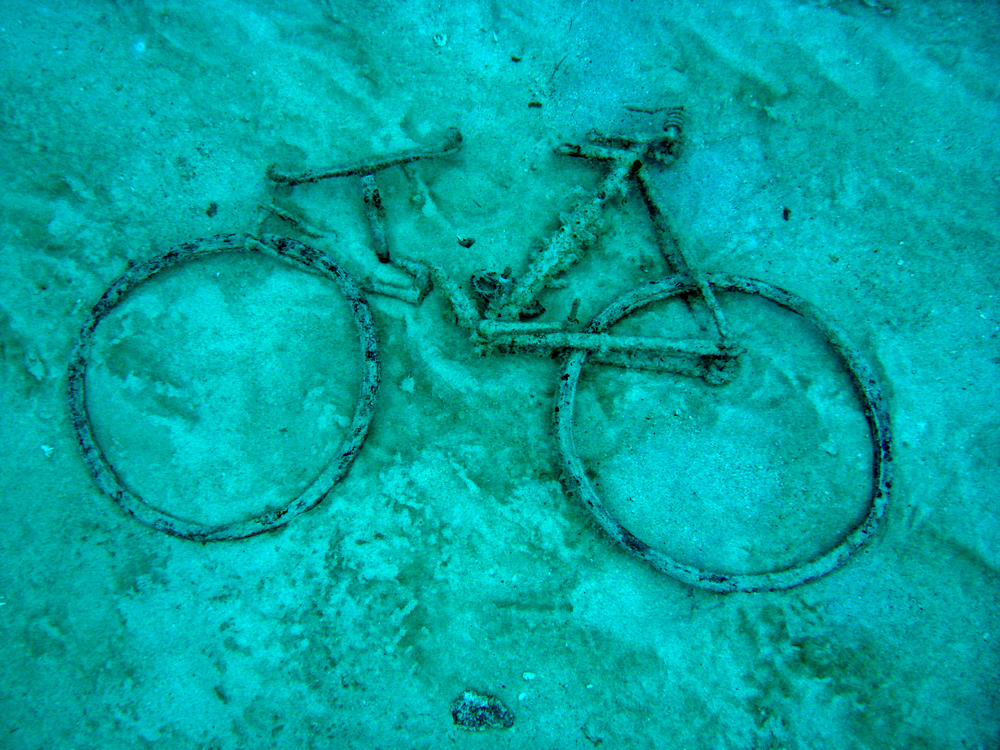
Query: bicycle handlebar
450,143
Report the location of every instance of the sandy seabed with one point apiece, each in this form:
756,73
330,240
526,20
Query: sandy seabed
846,151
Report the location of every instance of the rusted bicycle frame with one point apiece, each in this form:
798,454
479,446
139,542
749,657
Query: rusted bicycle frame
501,313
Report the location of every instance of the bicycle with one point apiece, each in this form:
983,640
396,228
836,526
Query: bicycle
502,313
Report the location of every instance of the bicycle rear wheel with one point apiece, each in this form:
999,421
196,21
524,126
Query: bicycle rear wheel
100,467
866,387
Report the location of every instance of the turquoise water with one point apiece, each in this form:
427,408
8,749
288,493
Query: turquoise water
844,151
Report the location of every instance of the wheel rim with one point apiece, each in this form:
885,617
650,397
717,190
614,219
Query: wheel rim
291,251
867,389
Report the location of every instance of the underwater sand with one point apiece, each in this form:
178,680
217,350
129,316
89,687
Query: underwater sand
844,150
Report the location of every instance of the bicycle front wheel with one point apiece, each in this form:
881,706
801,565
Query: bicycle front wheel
584,480
171,415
